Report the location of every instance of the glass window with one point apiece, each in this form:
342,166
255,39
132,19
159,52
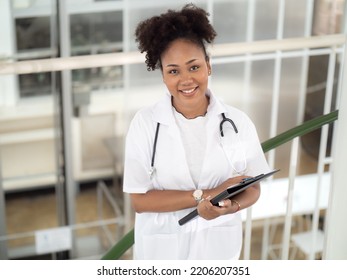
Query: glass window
95,33
230,21
33,40
33,33
96,30
39,84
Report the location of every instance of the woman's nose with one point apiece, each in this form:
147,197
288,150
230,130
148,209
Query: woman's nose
186,79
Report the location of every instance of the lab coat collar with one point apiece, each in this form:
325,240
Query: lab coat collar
216,107
162,111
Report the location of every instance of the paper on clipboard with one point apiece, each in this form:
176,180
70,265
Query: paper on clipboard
228,193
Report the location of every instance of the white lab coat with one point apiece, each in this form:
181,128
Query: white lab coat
158,235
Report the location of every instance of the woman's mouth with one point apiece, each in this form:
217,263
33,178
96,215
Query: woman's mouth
188,92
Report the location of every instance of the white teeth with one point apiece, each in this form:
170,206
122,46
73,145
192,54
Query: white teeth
188,91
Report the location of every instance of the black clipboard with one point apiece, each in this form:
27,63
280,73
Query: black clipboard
228,193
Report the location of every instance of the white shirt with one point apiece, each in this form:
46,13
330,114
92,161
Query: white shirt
158,235
193,134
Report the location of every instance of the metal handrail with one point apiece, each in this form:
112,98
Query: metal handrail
127,241
134,57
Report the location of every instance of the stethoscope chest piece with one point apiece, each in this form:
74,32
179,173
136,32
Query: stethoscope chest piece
151,172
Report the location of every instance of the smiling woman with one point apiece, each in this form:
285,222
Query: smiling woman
186,157
185,73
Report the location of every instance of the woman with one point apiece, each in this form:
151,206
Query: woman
176,158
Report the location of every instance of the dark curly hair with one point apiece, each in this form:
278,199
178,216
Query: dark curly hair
156,33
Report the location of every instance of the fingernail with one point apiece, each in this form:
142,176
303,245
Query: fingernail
221,203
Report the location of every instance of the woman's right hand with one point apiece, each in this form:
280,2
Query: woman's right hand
208,211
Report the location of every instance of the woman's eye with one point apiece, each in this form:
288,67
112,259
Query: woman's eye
173,71
194,68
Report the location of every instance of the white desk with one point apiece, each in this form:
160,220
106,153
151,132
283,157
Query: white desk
274,193
273,200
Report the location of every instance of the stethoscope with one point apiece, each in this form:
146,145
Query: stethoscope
221,130
224,120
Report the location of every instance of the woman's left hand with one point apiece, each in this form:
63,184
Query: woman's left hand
208,211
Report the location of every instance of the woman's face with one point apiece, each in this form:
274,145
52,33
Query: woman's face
185,74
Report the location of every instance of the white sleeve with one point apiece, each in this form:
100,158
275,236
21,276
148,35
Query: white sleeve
137,157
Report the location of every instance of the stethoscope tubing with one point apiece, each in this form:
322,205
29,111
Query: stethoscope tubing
224,120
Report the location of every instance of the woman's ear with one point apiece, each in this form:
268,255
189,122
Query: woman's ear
208,65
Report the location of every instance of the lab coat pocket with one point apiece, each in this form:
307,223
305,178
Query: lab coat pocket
160,247
236,155
223,242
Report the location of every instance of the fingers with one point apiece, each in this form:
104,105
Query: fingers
205,209
208,211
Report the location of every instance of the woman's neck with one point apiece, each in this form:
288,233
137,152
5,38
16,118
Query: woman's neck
190,112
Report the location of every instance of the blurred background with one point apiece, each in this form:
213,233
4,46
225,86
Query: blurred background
62,132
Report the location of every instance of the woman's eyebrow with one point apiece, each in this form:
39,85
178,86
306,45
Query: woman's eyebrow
188,62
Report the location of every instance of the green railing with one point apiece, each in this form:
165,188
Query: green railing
127,241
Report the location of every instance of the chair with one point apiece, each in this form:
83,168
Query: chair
303,242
